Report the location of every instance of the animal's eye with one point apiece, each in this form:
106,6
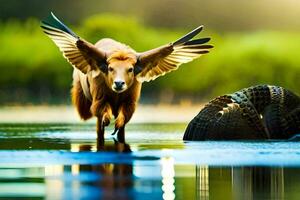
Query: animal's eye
130,70
110,69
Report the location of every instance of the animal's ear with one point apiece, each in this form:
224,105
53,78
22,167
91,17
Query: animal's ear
137,68
80,53
159,61
103,66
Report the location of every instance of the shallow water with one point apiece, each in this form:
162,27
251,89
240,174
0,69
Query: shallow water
63,161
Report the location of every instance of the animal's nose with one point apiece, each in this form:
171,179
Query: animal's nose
119,84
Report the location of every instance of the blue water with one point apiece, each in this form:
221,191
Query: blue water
64,161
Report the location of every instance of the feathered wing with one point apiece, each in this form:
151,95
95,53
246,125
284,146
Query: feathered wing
157,62
80,53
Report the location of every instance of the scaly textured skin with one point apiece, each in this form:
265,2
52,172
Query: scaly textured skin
257,112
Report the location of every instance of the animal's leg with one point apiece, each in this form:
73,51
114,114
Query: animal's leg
103,113
121,134
100,131
120,120
125,113
107,115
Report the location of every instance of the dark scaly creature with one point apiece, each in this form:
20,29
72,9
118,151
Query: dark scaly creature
257,112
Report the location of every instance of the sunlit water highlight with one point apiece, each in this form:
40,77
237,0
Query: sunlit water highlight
63,161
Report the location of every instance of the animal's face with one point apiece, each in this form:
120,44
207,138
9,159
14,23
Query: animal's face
120,72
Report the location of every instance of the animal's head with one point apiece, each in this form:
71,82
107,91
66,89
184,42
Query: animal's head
120,70
122,67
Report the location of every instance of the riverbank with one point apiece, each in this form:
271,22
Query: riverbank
68,114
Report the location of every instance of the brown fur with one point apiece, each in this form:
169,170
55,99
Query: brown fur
106,102
80,101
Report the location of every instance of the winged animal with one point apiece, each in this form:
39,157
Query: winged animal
108,75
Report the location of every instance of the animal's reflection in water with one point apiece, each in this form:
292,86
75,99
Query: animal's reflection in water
115,180
117,146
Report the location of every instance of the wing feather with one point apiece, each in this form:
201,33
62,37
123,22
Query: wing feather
182,51
67,45
82,56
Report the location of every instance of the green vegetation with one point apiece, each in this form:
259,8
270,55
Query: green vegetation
33,68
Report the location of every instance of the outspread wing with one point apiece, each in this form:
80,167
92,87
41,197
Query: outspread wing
80,53
157,62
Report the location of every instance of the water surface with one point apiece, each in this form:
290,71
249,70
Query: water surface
64,161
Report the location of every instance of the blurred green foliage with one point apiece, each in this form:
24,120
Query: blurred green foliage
32,66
